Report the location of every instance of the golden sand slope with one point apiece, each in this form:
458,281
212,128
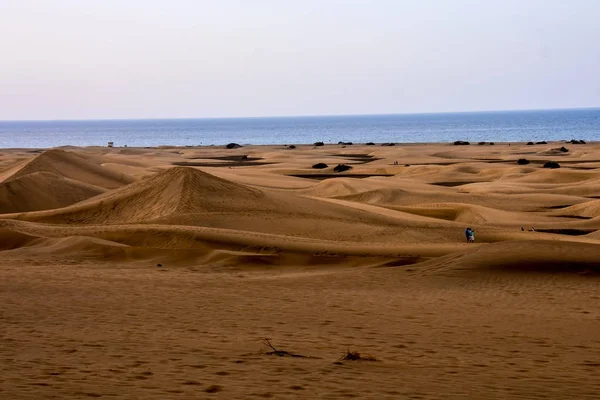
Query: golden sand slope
42,191
69,165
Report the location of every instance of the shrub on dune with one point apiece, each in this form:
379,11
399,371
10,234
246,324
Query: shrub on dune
320,166
552,165
461,143
319,144
522,161
342,168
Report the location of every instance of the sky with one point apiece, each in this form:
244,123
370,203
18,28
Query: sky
104,59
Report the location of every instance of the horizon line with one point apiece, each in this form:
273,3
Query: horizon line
301,115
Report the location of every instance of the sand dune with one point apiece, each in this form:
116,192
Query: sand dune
68,165
587,209
472,214
42,191
527,256
177,191
127,276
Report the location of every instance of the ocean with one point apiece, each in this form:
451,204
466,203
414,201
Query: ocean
494,126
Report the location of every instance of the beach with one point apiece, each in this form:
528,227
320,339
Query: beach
165,272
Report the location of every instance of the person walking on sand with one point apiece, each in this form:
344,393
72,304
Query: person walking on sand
468,234
472,236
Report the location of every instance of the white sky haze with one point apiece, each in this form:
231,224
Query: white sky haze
80,59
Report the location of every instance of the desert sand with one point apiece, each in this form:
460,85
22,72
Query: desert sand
157,273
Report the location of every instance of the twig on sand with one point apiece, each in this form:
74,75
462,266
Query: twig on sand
281,353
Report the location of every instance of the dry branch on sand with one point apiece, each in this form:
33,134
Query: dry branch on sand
281,353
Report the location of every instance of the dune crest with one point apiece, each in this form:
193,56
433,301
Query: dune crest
173,192
70,165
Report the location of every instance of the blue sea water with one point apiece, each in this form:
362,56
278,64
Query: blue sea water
496,126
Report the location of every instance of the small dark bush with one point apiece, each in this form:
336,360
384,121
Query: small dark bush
319,144
356,356
481,143
320,165
530,143
370,144
522,161
564,149
461,143
542,142
552,164
213,389
346,143
341,168
492,143
574,141
388,144
233,146
291,146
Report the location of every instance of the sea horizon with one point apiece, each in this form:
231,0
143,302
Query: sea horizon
476,126
524,110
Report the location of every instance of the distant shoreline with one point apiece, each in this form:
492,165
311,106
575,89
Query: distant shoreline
282,146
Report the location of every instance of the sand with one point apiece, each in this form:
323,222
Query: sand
157,273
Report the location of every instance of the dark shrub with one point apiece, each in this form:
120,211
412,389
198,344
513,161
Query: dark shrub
530,143
522,161
370,144
291,146
574,141
564,149
388,144
492,143
552,164
346,143
341,168
319,144
233,146
481,143
320,165
542,142
461,143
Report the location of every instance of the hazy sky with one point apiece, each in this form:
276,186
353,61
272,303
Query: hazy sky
78,59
